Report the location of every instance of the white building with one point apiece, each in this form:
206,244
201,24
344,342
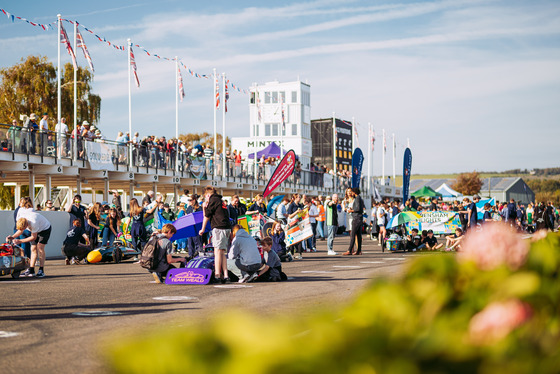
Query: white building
272,105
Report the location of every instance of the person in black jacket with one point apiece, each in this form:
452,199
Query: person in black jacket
215,212
357,211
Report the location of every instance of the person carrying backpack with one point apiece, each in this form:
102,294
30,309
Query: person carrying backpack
156,255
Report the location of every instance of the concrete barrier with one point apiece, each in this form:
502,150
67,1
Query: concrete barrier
60,222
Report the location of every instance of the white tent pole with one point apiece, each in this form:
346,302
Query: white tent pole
383,159
394,159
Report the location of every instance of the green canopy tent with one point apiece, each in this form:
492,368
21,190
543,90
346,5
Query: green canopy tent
425,192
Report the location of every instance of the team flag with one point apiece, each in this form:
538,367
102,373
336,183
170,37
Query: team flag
64,40
81,44
217,93
373,140
226,95
181,88
133,65
384,142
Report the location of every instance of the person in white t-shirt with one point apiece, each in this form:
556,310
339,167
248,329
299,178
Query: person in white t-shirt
61,130
373,221
313,214
40,229
382,222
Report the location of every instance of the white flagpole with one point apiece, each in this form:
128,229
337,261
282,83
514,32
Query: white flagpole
334,145
215,110
369,159
176,112
258,97
408,142
383,159
59,93
394,159
129,103
75,79
223,130
282,125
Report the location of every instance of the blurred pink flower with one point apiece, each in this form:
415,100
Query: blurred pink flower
496,244
497,320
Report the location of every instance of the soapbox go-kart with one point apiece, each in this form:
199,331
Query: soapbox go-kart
12,260
120,250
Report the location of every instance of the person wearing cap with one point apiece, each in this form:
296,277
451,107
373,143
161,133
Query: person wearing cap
167,213
32,127
431,242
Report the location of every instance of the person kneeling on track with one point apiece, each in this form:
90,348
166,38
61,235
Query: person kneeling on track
162,253
71,246
272,270
244,259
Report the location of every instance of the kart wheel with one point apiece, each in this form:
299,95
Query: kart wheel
117,255
15,274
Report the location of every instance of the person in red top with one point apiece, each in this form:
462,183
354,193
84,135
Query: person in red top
238,164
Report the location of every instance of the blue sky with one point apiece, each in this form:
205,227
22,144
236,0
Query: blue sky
474,84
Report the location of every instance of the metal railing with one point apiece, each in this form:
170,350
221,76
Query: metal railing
29,141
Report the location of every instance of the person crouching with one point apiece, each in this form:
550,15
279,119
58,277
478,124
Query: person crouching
71,247
272,270
244,259
162,253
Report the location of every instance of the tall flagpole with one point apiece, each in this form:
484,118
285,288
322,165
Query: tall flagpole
75,79
59,95
383,158
369,159
259,120
129,103
394,160
223,129
407,142
215,110
177,112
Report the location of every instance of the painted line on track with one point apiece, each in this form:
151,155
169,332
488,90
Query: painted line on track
346,266
20,281
97,313
176,298
8,334
372,262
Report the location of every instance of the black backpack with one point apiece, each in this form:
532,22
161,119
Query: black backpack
148,253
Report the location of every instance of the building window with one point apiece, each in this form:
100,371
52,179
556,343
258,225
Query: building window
267,97
305,98
275,97
294,97
283,97
267,129
294,129
252,97
275,129
256,130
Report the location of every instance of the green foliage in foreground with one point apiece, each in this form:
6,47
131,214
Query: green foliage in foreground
444,315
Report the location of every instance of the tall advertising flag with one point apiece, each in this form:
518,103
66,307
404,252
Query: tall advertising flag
282,172
357,162
407,166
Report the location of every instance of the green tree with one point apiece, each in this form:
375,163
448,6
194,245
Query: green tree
468,183
31,87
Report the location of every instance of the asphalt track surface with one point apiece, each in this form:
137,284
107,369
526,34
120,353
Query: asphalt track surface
45,326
